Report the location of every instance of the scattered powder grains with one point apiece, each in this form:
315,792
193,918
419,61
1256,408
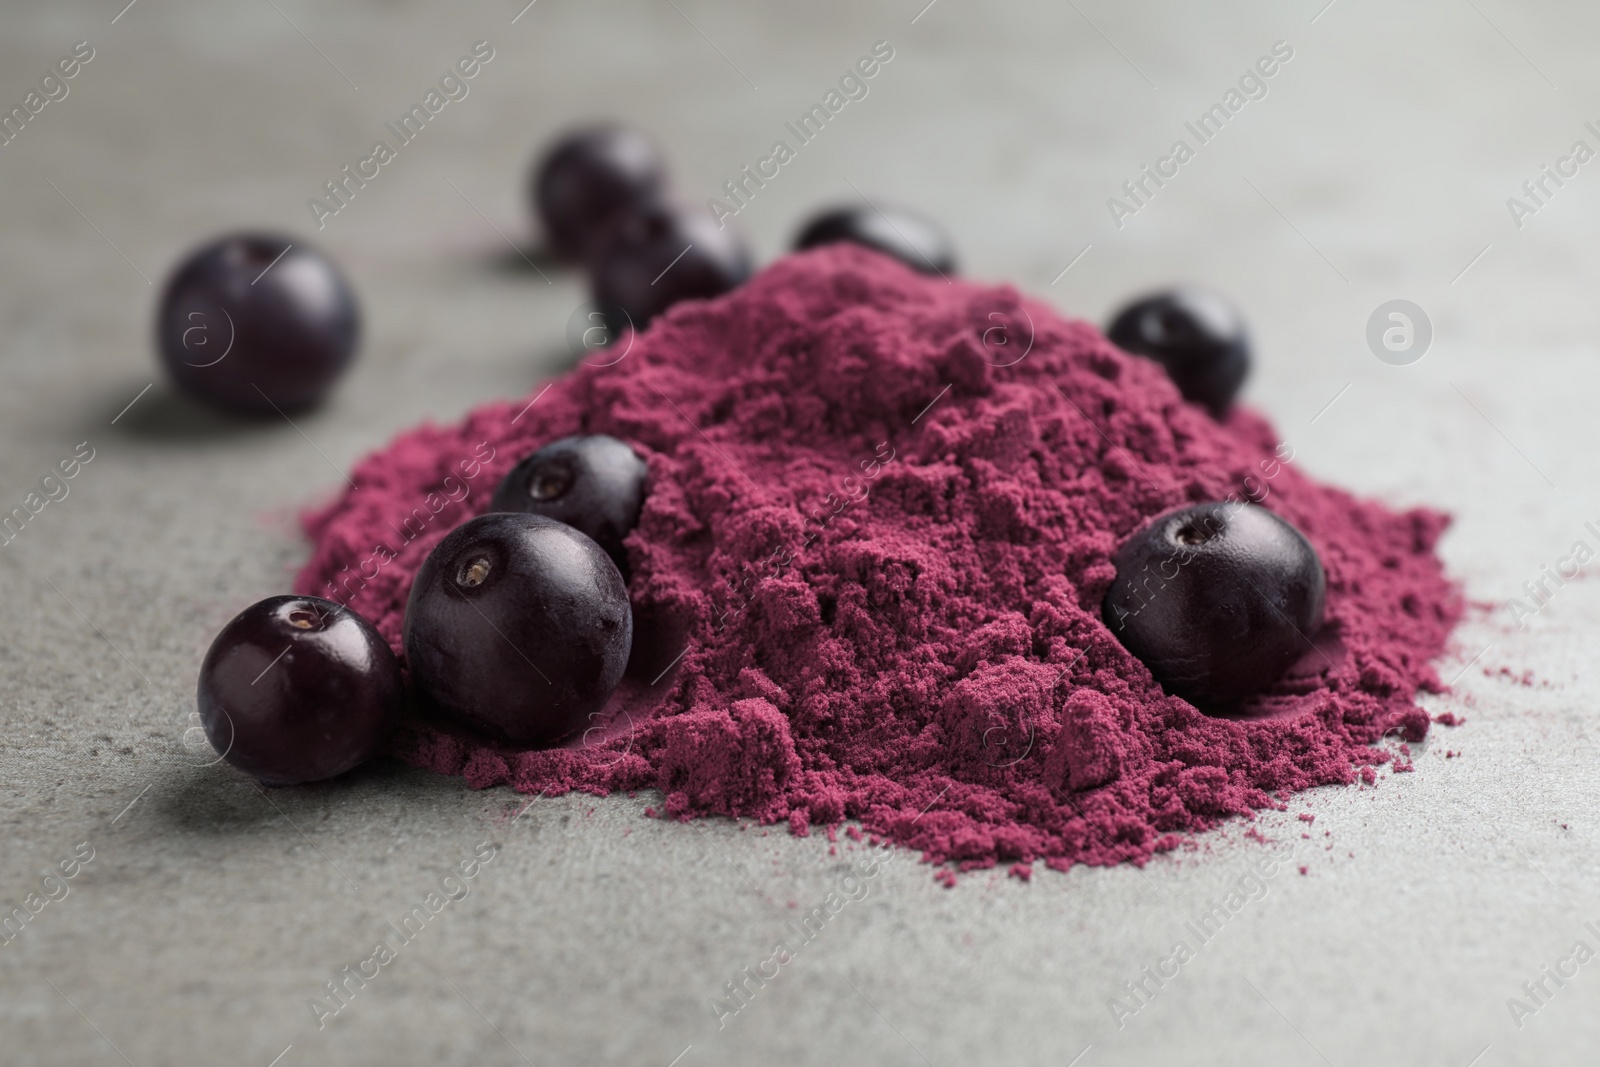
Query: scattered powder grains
882,511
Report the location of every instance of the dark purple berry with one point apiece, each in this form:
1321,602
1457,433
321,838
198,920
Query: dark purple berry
912,238
257,323
1196,335
298,689
593,483
1217,600
591,178
666,253
518,627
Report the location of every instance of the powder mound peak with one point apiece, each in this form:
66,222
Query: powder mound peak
881,515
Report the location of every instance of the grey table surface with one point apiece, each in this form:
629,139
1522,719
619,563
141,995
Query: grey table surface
1378,166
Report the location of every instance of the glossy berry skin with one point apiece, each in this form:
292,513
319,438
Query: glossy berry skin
1196,335
1217,600
912,238
256,342
518,627
664,254
591,178
298,689
593,483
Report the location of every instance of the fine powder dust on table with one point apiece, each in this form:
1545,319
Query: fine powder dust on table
880,523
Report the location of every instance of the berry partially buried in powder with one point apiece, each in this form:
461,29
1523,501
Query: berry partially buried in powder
591,178
664,254
518,627
593,483
298,689
1196,335
257,323
913,239
1217,600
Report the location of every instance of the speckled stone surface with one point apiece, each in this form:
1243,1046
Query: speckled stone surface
1377,166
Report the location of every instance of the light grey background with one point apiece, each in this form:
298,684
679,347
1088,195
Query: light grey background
1377,168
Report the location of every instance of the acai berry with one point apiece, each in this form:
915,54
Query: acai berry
1196,335
594,483
298,689
518,627
1217,600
